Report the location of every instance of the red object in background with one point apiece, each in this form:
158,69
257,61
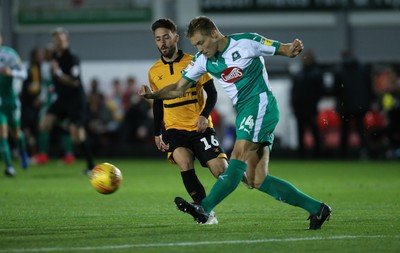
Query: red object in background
331,139
354,139
329,122
308,139
68,158
215,118
327,119
41,158
373,120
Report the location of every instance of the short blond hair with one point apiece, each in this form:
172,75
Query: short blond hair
201,24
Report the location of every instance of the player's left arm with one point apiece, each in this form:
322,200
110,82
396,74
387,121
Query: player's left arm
291,49
212,96
16,69
19,71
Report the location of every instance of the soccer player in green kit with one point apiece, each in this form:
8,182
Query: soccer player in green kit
11,68
237,62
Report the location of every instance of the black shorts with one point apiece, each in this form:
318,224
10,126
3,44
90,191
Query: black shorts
74,111
205,146
30,118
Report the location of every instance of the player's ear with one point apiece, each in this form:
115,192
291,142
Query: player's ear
214,34
177,37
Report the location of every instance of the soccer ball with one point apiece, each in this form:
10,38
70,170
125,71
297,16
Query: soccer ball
106,178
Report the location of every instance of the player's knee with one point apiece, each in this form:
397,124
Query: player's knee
218,170
256,185
217,166
248,182
239,154
258,182
185,165
243,150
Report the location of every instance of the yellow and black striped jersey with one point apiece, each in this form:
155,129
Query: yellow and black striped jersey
179,113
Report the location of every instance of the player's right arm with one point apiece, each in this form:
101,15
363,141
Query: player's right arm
291,49
72,79
171,91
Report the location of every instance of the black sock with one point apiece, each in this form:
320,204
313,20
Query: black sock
87,154
193,185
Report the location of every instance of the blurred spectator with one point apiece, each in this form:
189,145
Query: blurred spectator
306,92
129,90
137,125
353,92
94,92
100,123
31,100
387,86
114,101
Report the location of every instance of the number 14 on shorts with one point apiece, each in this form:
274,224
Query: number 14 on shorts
247,124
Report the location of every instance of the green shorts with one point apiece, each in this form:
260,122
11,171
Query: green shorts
10,115
257,118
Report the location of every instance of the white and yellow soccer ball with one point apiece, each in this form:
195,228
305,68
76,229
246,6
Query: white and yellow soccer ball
106,178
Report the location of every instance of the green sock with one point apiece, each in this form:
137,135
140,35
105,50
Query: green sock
286,192
226,183
67,143
5,151
22,143
44,142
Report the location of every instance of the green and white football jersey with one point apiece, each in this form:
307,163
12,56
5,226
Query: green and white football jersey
10,58
239,68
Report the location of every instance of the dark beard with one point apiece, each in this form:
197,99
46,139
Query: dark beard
169,54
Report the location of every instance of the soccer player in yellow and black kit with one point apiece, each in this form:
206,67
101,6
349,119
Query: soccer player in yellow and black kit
189,131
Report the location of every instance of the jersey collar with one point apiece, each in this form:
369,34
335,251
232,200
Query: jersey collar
178,59
218,53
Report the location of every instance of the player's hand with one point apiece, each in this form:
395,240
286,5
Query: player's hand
295,48
54,67
160,143
145,91
6,71
202,124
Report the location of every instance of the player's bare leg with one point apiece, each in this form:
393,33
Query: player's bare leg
5,148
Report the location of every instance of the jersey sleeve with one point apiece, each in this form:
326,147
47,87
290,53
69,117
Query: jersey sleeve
75,68
195,69
264,46
151,82
204,79
18,69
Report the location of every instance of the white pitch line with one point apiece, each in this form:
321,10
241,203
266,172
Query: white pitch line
185,244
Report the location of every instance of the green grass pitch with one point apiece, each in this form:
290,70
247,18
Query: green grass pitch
53,208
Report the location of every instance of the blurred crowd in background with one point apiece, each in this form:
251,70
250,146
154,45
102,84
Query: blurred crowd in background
363,122
119,123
